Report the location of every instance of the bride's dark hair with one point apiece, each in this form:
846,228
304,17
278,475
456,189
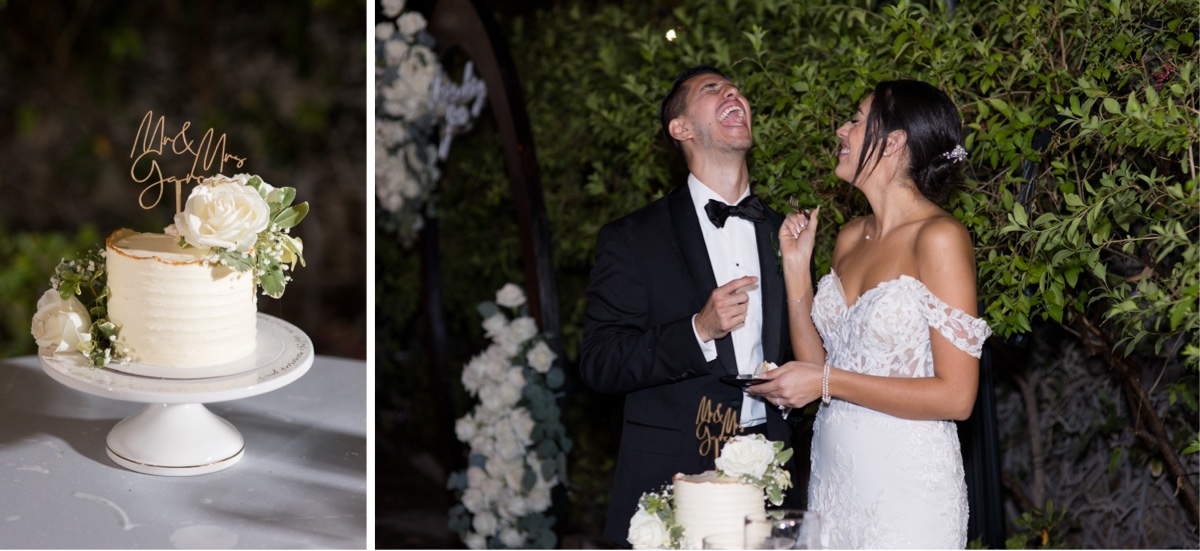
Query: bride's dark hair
932,127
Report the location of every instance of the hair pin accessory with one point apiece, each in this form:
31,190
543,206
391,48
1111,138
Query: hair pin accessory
958,154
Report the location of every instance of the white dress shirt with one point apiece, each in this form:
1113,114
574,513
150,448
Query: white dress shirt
733,251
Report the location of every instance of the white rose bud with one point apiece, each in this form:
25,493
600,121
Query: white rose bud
540,357
223,213
646,531
510,296
61,324
746,455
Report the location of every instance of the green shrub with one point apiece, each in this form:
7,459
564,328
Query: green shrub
1096,100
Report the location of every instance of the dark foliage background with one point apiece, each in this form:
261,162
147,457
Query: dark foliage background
1083,202
286,83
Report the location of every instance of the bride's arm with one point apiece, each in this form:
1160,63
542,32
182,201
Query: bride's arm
797,237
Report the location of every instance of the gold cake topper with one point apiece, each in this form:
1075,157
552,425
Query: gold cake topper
152,143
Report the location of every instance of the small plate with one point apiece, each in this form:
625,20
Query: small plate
742,380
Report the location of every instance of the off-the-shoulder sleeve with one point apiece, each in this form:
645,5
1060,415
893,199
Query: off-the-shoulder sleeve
960,328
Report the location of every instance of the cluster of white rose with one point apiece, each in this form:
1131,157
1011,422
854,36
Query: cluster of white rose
510,483
246,223
71,316
405,122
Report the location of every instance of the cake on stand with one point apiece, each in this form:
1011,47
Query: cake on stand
175,435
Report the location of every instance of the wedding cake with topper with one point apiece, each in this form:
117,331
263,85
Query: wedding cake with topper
187,297
749,471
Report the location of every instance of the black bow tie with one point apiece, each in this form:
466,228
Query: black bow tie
751,208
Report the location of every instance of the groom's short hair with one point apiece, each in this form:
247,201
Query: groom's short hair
676,100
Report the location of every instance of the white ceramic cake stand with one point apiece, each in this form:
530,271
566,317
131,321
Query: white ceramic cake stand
175,435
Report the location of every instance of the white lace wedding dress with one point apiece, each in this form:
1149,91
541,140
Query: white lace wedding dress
878,481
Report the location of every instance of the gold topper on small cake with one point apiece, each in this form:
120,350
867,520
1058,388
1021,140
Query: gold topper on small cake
152,143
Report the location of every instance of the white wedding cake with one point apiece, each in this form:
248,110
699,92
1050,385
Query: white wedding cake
173,307
182,299
709,503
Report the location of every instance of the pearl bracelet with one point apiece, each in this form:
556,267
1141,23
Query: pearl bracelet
825,385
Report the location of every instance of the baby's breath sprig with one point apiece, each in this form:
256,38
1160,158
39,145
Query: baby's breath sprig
87,278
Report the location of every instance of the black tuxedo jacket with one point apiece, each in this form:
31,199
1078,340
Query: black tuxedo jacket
652,274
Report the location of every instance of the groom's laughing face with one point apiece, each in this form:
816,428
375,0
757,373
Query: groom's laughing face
717,116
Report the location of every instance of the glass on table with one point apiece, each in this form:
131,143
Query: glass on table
726,540
783,529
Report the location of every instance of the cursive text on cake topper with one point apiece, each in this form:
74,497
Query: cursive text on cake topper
715,425
152,143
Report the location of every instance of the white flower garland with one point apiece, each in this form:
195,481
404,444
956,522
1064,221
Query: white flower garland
517,442
414,99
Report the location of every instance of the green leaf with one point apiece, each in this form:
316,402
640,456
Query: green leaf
291,216
272,281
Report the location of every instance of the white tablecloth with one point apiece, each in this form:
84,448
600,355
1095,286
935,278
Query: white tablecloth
301,483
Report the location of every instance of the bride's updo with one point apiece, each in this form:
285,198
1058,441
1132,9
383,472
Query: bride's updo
933,128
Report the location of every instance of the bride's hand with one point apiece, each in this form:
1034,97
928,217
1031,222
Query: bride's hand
792,385
798,234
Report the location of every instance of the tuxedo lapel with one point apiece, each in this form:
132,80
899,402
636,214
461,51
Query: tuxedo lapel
686,226
771,281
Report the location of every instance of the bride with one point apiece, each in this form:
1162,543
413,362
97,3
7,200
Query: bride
889,342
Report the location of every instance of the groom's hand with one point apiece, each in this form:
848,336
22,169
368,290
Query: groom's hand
725,309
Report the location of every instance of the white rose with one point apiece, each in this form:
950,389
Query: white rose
394,51
493,490
476,477
392,8
539,497
510,296
495,325
746,455
522,329
61,324
410,24
522,424
508,446
540,357
485,523
647,531
473,500
512,538
475,541
515,475
385,30
465,428
223,213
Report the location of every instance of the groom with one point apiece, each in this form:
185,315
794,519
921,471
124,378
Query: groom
685,290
